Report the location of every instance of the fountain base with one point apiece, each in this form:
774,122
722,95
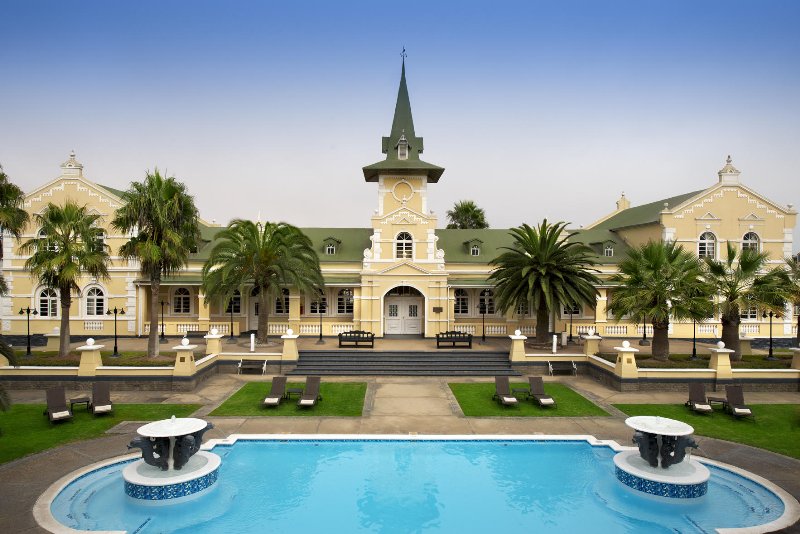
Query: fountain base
685,480
147,482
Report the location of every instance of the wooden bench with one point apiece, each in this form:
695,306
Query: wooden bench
453,338
356,338
562,367
255,365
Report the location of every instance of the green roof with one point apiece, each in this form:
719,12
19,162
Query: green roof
454,243
113,191
402,127
644,214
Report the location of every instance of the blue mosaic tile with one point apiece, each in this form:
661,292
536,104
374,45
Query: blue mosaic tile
171,491
662,489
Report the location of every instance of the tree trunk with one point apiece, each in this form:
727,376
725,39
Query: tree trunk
542,323
63,337
152,338
660,343
262,335
730,335
797,339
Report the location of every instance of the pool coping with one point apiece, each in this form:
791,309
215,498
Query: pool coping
45,519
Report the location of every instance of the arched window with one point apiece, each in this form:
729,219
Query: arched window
344,301
707,247
751,241
282,303
462,302
181,301
235,303
523,308
318,304
486,302
95,301
48,302
403,245
48,244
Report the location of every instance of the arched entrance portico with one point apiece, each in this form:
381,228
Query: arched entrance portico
403,311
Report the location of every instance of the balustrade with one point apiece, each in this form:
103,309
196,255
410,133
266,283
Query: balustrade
616,330
93,325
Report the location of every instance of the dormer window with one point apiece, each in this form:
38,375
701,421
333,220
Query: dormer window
475,250
330,249
608,250
329,245
402,148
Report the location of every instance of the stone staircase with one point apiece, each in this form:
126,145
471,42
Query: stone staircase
403,363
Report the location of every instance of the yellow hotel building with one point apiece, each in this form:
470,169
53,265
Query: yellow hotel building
405,274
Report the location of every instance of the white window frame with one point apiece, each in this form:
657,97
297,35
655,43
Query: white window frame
753,242
178,301
475,250
577,311
706,240
344,306
461,302
330,249
51,302
404,246
313,309
283,299
608,251
486,298
90,307
750,314
234,301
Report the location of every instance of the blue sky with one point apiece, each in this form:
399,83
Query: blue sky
535,109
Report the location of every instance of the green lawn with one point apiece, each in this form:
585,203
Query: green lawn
476,401
340,399
25,430
130,358
776,427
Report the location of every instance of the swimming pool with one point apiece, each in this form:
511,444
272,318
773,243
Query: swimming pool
388,484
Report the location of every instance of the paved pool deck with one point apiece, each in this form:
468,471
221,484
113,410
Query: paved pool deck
393,405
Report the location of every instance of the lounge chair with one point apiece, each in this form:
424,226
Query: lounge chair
502,391
57,409
697,399
734,402
277,391
537,392
310,394
101,399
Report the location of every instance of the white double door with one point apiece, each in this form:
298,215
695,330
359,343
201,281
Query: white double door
403,315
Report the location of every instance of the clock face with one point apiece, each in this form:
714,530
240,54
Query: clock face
402,191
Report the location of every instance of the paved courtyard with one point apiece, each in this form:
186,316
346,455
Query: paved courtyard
393,405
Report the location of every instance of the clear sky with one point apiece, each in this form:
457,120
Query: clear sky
535,109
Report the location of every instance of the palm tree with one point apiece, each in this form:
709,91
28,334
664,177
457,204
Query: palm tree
65,250
13,220
659,281
742,283
543,269
164,219
269,256
793,264
466,215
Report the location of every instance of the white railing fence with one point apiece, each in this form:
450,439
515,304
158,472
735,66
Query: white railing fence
93,325
616,330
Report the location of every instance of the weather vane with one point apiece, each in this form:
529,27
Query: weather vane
403,53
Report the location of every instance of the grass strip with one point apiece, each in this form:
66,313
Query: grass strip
339,399
476,400
776,427
25,430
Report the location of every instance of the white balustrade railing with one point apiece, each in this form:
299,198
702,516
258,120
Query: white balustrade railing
309,329
496,329
528,330
585,328
616,330
278,329
707,329
93,325
222,328
337,329
183,328
749,329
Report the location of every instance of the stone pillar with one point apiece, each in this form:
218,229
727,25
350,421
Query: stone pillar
600,311
294,310
184,359
746,345
290,353
721,362
53,339
517,353
625,367
357,308
795,358
203,315
213,342
90,358
591,344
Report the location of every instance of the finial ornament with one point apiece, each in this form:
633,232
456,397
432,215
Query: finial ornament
403,54
729,160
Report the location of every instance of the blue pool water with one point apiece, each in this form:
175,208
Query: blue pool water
415,486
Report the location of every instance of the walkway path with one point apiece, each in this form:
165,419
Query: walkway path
394,405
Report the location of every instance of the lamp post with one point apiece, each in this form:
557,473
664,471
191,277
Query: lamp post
643,342
764,316
694,339
571,309
163,338
27,311
318,302
231,338
115,312
482,310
